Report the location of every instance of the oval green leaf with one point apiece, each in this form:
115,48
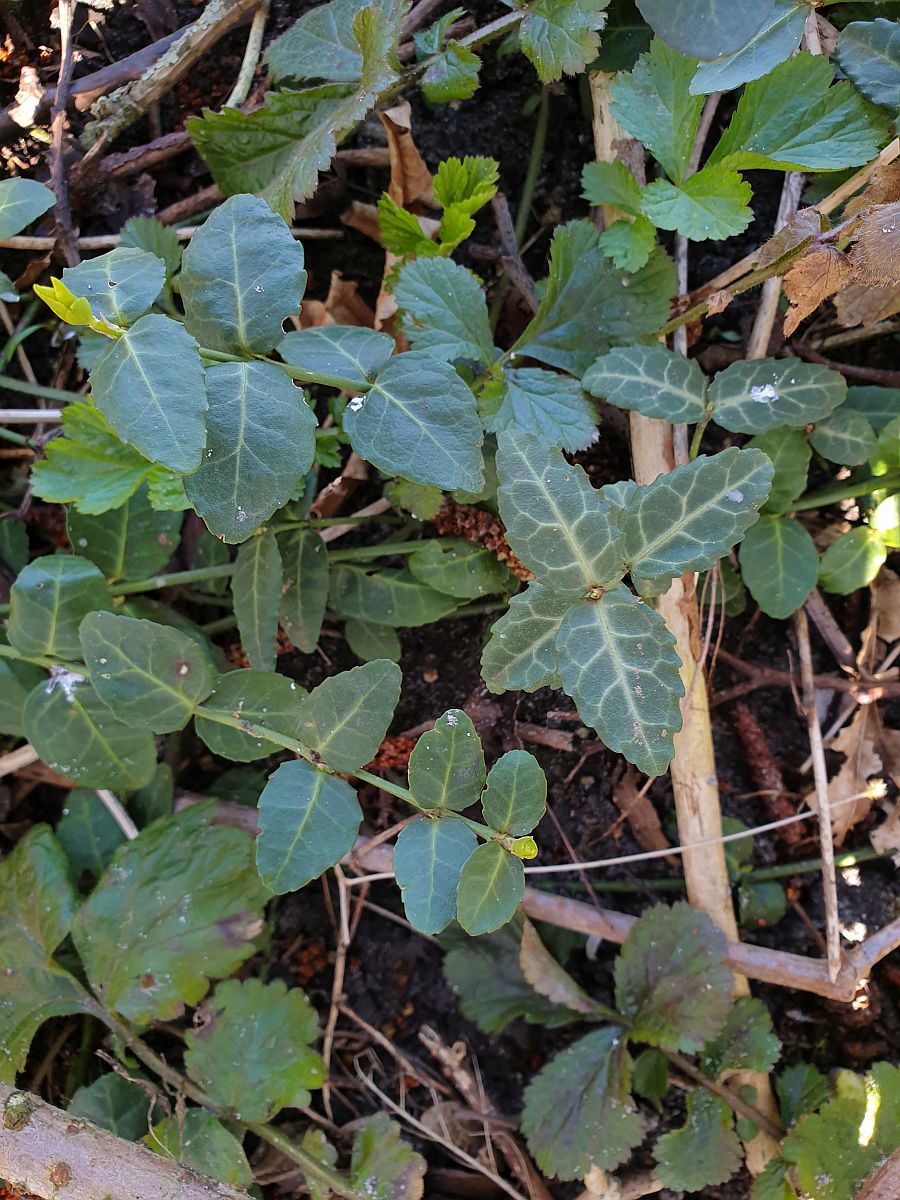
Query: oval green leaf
256,589
515,798
446,767
345,718
491,887
751,397
428,858
778,565
48,602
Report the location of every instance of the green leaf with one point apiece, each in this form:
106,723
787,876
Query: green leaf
120,286
399,428
446,767
88,833
76,735
8,289
177,906
654,104
131,542
345,351
521,654
629,243
625,36
885,520
256,588
201,1142
37,901
705,1152
578,1110
382,1165
753,397
844,437
149,675
650,1076
369,641
260,443
250,1051
801,1089
879,405
148,233
555,521
259,698
515,798
887,453
345,718
550,407
467,184
428,858
672,980
420,500
650,380
588,303
794,119
116,1104
320,45
48,602
611,183
242,275
705,28
746,1042
561,36
444,311
828,1159
14,550
154,800
789,452
778,564
308,821
774,41
712,204
491,887
868,52
452,76
21,202
17,679
394,598
149,385
401,232
772,1184
618,663
852,561
459,568
305,589
690,517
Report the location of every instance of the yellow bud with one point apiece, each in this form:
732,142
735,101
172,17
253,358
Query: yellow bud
524,847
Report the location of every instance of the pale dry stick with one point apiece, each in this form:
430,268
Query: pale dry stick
29,416
116,810
15,760
371,510
820,775
408,1066
241,89
337,983
108,241
58,175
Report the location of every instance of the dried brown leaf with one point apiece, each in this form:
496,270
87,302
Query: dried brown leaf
719,301
342,306
811,280
806,225
875,256
546,975
886,838
885,589
882,187
861,304
637,809
857,742
411,181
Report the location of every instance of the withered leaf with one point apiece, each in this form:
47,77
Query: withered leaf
810,280
806,225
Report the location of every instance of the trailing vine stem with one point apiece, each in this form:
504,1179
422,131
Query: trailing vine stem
741,1107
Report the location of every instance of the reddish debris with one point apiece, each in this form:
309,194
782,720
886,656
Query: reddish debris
476,525
393,754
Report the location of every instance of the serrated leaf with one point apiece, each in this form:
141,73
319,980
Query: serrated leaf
789,453
868,52
713,203
382,1165
305,587
241,276
778,564
349,352
133,541
827,1157
49,600
844,437
149,385
561,36
452,76
653,102
515,798
578,1110
200,1141
76,735
795,119
17,680
251,1050
611,183
177,906
369,641
555,521
116,1104
21,202
650,380
401,233
119,286
521,651
617,661
320,45
256,588
308,821
746,1041
774,41
428,857
491,887
550,407
629,243
345,718
148,233
37,901
394,598
400,428
672,981
773,1184
260,444
705,1152
257,697
753,397
88,833
690,517
852,561
149,675
467,183
459,568
801,1089
446,767
444,310
704,28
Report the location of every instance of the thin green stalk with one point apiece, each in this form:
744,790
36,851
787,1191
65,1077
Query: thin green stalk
220,625
219,571
534,166
321,377
18,439
807,866
846,490
760,1119
41,660
698,437
38,389
382,550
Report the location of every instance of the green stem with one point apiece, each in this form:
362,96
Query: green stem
740,1106
220,625
807,866
41,660
846,490
302,375
195,575
382,550
698,437
18,439
534,166
37,389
